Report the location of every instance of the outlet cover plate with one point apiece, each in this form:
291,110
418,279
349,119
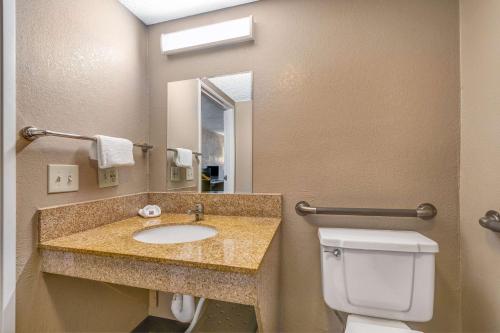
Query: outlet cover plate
62,178
175,174
107,177
189,174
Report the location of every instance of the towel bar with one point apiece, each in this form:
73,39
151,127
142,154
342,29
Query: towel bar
32,133
425,211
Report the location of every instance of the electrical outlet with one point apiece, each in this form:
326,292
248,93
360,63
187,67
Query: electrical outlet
108,177
189,174
62,178
175,174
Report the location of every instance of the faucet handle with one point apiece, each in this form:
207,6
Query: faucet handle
198,208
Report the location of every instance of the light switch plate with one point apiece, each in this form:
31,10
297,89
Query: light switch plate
189,174
62,178
107,177
175,174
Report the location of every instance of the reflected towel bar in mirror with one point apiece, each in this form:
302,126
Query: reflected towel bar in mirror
32,133
425,211
194,153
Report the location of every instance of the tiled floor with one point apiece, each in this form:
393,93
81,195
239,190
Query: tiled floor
216,317
159,325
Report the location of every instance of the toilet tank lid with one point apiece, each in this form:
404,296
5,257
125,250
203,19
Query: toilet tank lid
381,240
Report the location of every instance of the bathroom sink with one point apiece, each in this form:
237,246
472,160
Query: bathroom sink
173,234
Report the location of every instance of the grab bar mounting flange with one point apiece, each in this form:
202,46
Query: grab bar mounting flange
491,221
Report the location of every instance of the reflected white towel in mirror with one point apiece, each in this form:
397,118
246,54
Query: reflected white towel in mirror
183,157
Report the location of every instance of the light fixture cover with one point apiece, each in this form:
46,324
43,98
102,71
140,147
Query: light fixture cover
227,32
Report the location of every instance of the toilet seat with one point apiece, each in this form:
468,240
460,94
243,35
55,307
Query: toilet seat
361,324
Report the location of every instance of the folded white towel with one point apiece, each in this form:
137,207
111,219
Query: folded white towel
183,158
112,152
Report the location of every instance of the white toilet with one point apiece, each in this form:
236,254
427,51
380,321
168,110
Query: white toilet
380,277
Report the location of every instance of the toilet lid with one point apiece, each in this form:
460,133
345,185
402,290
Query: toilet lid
360,324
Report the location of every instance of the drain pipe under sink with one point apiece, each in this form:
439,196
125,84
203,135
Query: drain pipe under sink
184,311
197,313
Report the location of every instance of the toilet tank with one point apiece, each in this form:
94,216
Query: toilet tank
379,273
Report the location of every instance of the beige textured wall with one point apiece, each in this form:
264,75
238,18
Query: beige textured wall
480,163
356,103
81,68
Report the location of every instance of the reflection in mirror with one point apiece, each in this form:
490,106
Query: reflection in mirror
212,117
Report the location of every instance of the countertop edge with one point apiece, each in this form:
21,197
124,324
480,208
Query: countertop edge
214,267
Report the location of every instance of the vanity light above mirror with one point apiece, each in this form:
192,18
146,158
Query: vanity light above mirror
222,33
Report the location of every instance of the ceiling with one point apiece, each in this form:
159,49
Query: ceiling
237,86
156,11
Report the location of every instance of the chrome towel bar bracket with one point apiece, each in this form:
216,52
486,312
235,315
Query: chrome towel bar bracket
32,133
491,221
425,211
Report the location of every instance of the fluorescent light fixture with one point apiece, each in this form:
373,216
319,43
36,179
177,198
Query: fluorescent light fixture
156,11
227,32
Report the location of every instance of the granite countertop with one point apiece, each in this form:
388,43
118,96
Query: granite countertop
239,246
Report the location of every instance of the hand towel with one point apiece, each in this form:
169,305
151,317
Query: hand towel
112,152
183,158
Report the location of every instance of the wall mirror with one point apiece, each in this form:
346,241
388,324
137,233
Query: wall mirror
212,117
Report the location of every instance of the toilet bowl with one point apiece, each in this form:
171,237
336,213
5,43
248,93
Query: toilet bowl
381,278
361,324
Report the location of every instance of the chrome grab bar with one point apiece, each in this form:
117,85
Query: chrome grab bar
32,133
425,211
491,221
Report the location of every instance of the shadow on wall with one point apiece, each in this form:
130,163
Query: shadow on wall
73,301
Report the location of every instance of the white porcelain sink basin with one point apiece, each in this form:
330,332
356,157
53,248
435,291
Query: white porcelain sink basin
173,234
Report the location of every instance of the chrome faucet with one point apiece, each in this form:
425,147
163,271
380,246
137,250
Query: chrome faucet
198,211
